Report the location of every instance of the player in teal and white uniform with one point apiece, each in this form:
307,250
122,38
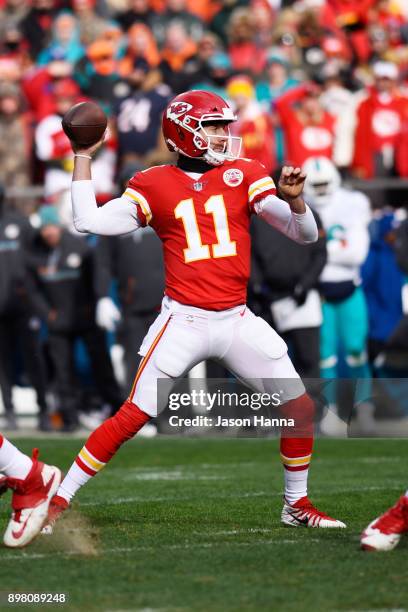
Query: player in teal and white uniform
345,215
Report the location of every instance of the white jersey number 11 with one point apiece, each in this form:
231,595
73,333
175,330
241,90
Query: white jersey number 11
225,247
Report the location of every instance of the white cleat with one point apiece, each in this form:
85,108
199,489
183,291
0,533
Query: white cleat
30,502
304,514
385,532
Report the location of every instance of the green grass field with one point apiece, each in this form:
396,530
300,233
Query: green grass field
193,524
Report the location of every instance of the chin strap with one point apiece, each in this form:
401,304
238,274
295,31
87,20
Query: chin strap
212,158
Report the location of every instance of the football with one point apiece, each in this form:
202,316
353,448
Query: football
85,123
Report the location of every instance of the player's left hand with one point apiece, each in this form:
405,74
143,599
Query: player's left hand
291,182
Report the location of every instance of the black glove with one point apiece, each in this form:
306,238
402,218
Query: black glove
300,295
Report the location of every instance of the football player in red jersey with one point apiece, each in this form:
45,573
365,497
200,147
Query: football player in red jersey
33,484
384,532
201,208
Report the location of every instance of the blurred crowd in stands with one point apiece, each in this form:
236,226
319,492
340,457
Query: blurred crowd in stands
308,79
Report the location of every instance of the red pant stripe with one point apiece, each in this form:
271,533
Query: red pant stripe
146,359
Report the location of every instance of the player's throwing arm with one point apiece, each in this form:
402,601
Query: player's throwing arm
85,125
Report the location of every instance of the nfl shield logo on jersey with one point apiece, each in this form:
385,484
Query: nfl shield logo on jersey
198,186
233,177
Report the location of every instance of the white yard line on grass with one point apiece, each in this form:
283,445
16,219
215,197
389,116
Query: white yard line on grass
155,549
182,498
183,467
133,499
168,475
234,532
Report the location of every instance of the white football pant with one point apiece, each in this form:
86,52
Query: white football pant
183,336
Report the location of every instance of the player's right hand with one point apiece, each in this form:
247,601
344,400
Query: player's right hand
89,150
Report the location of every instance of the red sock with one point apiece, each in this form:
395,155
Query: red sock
296,443
103,443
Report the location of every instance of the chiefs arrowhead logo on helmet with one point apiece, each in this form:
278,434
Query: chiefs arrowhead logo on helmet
176,109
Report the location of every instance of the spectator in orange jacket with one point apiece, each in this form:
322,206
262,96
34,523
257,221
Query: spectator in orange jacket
141,46
179,63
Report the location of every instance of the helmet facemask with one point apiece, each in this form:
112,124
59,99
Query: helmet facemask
214,154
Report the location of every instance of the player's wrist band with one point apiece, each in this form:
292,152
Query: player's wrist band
82,155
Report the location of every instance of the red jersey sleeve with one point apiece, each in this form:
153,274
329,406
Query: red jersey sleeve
260,184
136,193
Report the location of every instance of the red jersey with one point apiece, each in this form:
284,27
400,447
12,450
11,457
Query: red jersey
304,140
379,124
203,224
257,139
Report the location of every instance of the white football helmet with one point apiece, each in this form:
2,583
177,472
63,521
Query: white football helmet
322,180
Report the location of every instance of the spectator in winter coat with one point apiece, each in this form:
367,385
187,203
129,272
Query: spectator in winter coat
91,25
278,79
15,143
176,12
383,278
308,129
63,282
178,59
138,110
285,278
138,11
243,50
98,72
19,328
54,149
345,216
253,125
141,45
380,122
38,86
11,15
65,44
139,295
52,144
36,25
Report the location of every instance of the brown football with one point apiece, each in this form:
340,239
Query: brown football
85,123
